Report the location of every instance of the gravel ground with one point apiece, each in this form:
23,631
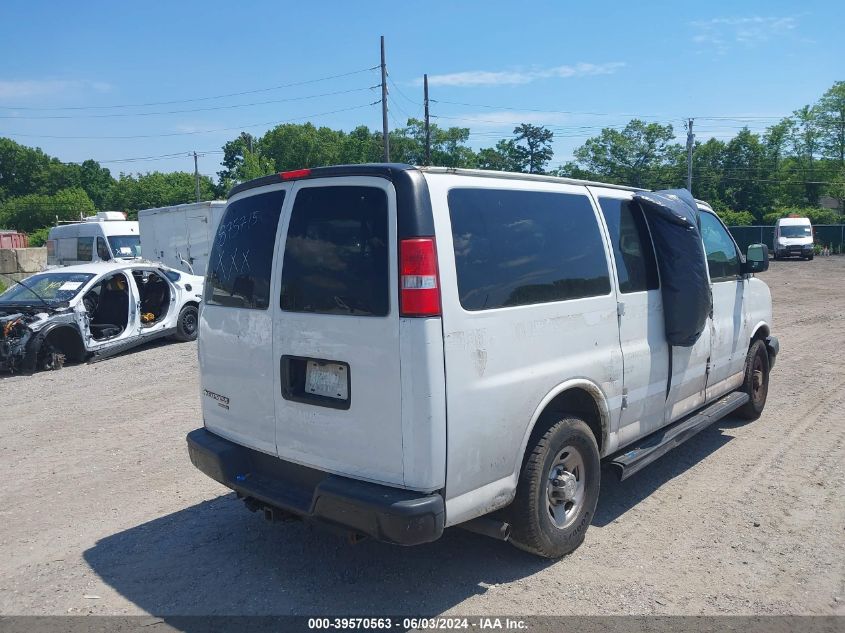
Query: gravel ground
101,511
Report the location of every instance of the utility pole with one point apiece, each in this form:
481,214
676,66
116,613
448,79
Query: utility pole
690,139
196,177
427,123
384,129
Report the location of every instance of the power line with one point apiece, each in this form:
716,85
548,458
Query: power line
195,99
221,107
738,118
224,129
145,158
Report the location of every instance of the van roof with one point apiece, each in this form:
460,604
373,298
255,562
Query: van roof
386,170
793,221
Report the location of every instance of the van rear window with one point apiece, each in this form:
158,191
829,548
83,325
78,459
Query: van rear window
336,253
524,247
241,260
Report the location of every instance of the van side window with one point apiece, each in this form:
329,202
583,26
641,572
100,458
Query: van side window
336,253
524,247
722,258
103,249
241,259
632,246
84,249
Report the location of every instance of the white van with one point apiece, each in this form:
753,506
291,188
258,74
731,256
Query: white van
793,236
394,350
103,237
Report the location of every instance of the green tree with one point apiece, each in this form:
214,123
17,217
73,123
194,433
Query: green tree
503,157
293,146
21,169
746,174
532,147
830,111
156,189
34,211
642,155
805,139
736,218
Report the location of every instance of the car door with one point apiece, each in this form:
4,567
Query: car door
197,231
336,330
729,344
645,352
236,322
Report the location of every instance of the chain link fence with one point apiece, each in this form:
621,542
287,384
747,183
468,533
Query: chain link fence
830,235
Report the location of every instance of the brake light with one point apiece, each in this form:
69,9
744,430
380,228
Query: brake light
294,173
419,286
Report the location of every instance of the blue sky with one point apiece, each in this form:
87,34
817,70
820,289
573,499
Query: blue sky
575,67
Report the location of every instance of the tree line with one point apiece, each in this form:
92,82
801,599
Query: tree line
752,178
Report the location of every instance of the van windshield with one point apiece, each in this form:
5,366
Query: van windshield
795,231
50,287
125,245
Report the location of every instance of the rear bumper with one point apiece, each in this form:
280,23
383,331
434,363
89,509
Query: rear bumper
392,515
773,347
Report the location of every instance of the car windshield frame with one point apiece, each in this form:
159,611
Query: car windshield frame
22,293
117,242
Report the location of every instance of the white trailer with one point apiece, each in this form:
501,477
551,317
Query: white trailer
181,236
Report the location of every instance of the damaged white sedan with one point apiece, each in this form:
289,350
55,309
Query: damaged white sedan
92,311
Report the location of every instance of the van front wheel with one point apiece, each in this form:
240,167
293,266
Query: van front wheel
756,381
558,490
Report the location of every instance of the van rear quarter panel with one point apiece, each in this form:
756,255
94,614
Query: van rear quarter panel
501,364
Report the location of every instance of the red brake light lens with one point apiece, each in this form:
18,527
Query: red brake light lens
294,174
419,285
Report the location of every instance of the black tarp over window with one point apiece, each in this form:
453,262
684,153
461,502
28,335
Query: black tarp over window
685,287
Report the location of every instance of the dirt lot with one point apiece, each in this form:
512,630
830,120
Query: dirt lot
102,512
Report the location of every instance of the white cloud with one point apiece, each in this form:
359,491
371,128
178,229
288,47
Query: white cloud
25,88
721,33
473,78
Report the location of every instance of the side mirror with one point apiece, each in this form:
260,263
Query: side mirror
757,259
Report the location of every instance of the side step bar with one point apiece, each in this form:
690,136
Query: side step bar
636,457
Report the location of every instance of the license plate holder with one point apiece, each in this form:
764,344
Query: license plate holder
329,380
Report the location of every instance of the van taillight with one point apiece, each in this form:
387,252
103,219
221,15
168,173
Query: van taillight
419,287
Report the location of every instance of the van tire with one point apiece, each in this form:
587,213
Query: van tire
755,384
533,528
187,325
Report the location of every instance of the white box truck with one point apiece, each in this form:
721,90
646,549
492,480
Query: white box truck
181,236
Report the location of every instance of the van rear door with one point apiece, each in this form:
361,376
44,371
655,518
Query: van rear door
236,321
336,330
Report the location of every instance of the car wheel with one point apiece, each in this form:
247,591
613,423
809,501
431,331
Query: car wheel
187,325
810,256
756,381
558,490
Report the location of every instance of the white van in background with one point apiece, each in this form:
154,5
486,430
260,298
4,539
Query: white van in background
793,237
394,350
102,237
180,236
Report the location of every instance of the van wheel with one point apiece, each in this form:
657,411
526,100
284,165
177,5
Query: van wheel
558,490
756,382
187,325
